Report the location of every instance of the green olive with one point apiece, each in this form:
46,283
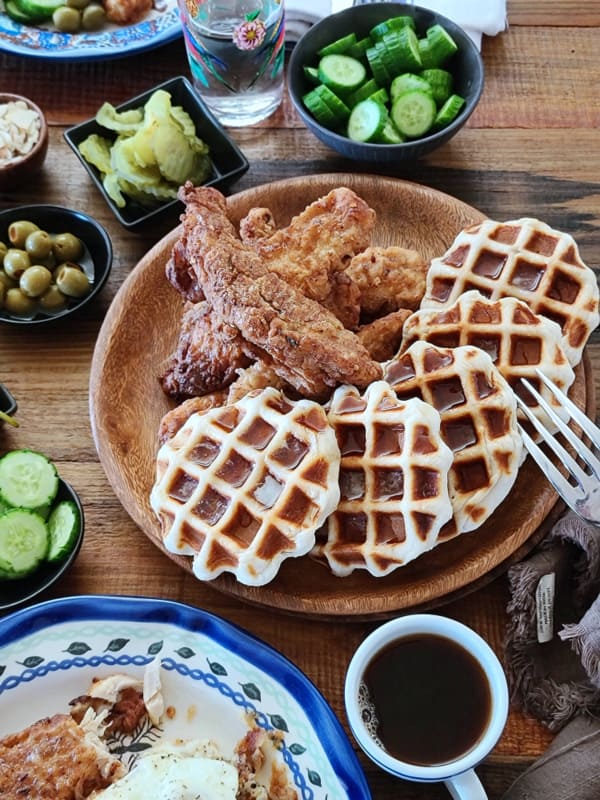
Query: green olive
52,299
71,280
67,20
93,17
6,281
35,280
18,303
39,245
67,247
19,230
16,262
3,249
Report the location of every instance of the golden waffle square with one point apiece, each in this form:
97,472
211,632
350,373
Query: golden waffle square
478,413
517,340
393,481
244,486
526,259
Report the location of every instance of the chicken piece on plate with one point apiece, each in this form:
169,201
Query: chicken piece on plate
383,336
388,278
257,376
208,354
181,275
308,346
55,759
126,12
315,247
176,418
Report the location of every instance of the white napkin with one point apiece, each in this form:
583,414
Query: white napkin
477,17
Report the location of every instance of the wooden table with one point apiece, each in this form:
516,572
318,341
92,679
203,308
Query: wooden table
532,148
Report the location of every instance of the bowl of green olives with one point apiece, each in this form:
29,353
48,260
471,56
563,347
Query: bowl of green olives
53,261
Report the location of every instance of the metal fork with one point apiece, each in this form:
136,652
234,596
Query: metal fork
581,489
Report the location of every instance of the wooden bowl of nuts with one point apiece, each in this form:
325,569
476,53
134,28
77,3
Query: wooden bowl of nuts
23,140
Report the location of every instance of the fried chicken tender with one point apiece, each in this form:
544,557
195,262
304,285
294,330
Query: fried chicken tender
308,346
389,278
126,12
313,251
208,354
383,336
182,276
176,418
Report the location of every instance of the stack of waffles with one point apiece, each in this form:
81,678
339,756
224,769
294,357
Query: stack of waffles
373,480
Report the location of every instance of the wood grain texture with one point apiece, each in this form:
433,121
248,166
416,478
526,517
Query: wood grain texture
511,160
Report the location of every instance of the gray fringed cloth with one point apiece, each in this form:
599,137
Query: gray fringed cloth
552,659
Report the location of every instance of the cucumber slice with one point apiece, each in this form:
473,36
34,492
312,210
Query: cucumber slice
449,111
339,46
365,90
311,74
367,120
403,50
425,53
27,479
359,49
390,134
41,9
441,43
15,13
64,524
320,111
23,542
413,113
341,73
393,24
440,81
406,83
381,96
378,68
339,109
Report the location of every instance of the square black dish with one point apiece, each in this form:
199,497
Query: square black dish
227,161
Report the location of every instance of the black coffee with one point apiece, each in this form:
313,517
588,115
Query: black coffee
430,698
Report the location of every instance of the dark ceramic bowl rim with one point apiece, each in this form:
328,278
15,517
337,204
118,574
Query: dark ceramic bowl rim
105,267
373,146
151,214
47,574
42,141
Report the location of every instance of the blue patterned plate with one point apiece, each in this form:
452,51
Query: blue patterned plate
213,675
160,26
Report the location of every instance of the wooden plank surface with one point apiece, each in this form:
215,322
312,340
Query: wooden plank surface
530,149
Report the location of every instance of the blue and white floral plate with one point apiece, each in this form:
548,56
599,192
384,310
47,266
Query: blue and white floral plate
213,676
160,26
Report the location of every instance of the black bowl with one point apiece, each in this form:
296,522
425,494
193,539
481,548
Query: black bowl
14,593
58,219
466,66
228,161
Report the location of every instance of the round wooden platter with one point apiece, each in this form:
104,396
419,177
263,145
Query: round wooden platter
126,404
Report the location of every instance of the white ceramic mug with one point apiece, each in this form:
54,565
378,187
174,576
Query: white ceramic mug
459,774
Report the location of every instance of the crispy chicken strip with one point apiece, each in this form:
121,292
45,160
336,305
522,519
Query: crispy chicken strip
309,347
389,278
176,418
208,354
383,336
318,244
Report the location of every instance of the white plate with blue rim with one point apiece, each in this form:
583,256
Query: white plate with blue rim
213,674
160,26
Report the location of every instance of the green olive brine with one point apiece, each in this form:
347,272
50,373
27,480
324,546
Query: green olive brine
41,271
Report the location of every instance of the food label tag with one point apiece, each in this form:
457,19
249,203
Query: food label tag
544,602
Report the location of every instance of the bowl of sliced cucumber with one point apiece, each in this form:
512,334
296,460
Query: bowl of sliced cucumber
41,526
385,82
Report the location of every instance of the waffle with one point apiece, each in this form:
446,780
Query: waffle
242,487
526,259
517,340
478,422
393,480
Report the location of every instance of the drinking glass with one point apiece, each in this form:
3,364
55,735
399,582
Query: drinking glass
236,55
